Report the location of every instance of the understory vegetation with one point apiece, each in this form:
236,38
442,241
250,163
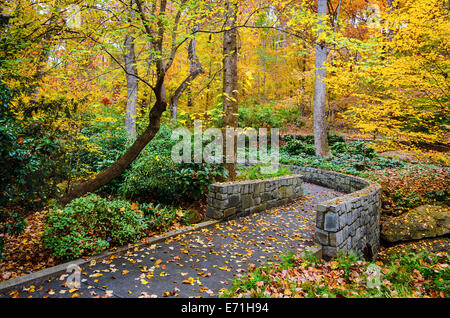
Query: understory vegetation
405,184
91,93
91,224
262,171
304,276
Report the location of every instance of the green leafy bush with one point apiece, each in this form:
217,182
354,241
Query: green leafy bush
309,139
268,116
158,178
258,116
100,144
160,217
350,164
353,148
193,179
297,147
255,172
304,144
154,175
31,159
150,177
91,224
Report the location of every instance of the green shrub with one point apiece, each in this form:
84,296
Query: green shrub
353,148
332,138
258,116
150,177
309,139
158,178
159,217
102,142
154,176
254,172
297,147
304,144
31,163
352,158
193,179
89,225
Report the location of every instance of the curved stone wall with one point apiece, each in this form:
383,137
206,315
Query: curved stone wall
349,223
231,199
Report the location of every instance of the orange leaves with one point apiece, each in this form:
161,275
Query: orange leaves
184,251
189,281
224,268
328,279
25,253
106,101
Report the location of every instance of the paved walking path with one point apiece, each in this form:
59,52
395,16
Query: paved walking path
199,263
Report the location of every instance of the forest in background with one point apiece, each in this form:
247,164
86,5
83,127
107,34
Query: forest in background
90,92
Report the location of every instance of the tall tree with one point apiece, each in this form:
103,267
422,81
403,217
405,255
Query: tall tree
229,90
154,32
320,120
132,81
195,69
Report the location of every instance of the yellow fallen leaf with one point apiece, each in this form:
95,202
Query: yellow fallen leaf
144,282
96,275
190,281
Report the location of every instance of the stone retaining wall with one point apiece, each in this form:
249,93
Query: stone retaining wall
348,223
228,200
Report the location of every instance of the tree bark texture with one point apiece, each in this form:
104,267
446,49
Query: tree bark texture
320,120
230,93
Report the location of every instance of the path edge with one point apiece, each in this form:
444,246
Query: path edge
51,272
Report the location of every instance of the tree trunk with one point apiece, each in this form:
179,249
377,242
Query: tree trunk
132,85
230,103
320,121
160,105
195,69
119,166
